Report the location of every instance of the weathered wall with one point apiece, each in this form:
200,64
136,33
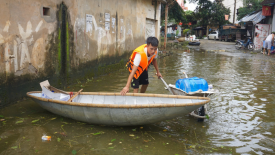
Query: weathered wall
34,46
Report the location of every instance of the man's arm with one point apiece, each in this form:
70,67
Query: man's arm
131,76
156,67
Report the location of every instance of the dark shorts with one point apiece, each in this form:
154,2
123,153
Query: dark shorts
142,80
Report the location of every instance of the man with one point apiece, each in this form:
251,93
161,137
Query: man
269,42
138,64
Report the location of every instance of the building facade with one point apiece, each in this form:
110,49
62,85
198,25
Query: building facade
44,38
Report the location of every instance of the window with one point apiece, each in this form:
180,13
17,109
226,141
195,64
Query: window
46,11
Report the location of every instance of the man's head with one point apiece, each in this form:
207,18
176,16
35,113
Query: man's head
152,45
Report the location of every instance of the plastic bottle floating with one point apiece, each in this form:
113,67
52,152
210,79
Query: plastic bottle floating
46,138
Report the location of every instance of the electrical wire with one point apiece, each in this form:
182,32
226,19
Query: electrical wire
233,3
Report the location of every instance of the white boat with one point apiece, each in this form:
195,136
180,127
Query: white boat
114,109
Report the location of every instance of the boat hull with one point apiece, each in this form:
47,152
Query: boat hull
117,116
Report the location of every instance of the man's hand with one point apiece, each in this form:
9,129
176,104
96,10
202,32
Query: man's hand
158,74
124,91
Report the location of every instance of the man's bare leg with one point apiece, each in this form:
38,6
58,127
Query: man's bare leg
143,88
136,90
268,52
264,51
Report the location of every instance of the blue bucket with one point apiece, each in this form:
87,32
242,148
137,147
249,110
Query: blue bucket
192,84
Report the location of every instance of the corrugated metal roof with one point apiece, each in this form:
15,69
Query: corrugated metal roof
268,2
255,18
162,1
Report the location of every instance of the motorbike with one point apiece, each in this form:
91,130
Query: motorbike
242,44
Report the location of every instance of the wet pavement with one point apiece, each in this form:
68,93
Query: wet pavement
216,45
241,115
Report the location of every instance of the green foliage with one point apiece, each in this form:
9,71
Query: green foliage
177,32
210,13
74,152
188,12
175,12
34,121
217,16
14,147
189,15
185,31
249,7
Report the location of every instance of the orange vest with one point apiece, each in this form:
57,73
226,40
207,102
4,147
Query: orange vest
144,62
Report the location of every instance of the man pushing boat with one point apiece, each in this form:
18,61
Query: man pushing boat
138,64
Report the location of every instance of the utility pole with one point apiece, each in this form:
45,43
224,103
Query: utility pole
165,29
168,3
234,12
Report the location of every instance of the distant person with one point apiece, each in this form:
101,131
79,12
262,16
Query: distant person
263,46
138,64
269,42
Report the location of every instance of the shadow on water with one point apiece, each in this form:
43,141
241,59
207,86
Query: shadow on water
241,115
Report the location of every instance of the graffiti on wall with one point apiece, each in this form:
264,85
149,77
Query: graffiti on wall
107,21
261,32
102,33
17,55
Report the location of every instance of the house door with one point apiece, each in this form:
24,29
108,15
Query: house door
261,32
150,28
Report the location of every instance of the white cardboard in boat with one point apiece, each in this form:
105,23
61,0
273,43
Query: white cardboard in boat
47,93
45,84
51,95
211,91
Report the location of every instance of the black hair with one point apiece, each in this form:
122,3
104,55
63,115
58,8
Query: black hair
153,41
273,32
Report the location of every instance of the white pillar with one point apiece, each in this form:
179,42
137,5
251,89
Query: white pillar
273,21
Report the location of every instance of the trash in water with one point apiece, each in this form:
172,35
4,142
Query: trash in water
46,138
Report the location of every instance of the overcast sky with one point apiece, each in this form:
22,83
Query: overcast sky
192,6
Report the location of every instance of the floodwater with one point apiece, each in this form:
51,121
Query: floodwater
242,115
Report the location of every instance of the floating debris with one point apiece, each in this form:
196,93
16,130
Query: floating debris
46,138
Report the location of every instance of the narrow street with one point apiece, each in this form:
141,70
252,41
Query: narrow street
241,114
217,45
68,69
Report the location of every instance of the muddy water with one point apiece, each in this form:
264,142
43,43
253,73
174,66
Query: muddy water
241,116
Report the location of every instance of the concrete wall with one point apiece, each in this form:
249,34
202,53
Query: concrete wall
230,4
273,20
70,36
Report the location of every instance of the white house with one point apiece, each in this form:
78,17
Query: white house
172,28
230,4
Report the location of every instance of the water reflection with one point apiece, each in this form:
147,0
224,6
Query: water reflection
241,116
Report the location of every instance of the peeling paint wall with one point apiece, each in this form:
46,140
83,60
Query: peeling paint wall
23,38
100,28
126,20
32,39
